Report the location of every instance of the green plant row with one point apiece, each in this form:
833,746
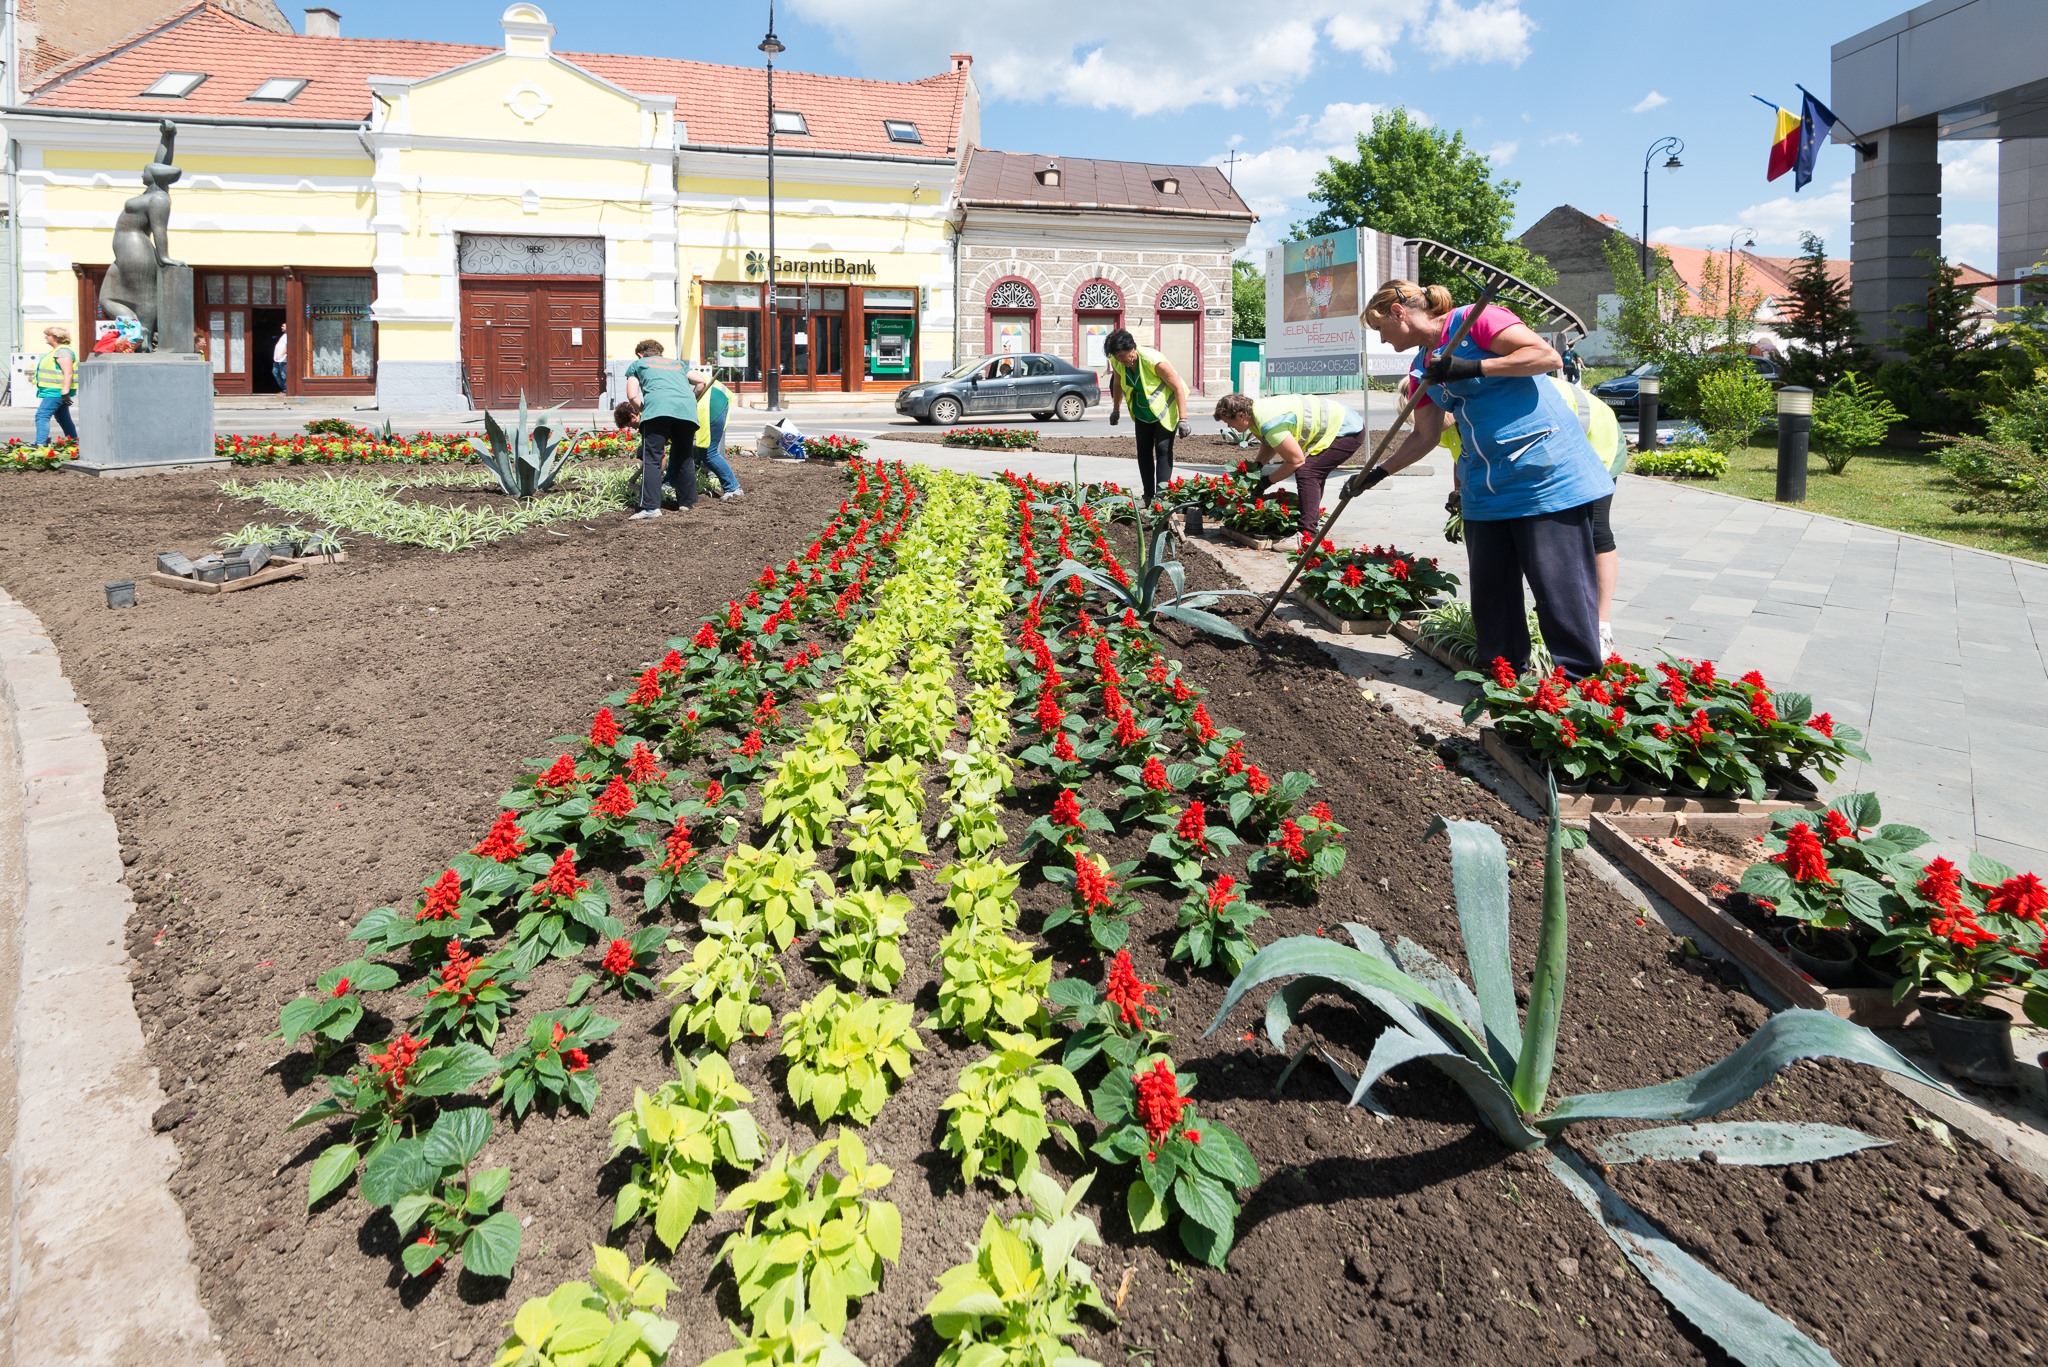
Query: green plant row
370,506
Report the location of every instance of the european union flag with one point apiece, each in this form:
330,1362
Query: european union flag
1816,122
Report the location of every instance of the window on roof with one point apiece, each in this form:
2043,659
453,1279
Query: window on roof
901,130
789,121
176,84
279,89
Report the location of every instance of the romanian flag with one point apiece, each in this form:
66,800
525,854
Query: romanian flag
1784,144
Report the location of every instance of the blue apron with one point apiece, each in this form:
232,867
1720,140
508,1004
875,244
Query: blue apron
1522,449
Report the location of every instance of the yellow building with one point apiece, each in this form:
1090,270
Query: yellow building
446,226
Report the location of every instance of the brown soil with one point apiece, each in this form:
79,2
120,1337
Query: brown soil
288,758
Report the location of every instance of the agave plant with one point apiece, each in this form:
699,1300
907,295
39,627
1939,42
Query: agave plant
1503,1062
1146,594
526,460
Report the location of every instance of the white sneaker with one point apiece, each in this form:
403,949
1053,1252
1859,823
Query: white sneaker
644,514
728,495
1606,639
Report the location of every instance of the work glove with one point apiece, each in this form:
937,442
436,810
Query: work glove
1183,430
1363,480
1115,416
1447,367
1454,525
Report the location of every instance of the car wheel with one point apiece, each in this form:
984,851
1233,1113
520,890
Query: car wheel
1072,408
945,410
1042,415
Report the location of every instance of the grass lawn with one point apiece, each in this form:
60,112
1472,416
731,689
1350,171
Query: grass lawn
1907,491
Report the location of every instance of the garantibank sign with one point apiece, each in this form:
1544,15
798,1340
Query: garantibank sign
806,268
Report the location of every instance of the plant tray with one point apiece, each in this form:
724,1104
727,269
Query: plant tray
1578,808
1343,626
1250,543
282,567
1408,631
1621,835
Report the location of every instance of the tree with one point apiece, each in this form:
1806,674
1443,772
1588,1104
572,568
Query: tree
1656,324
1415,181
1819,318
1955,371
1247,299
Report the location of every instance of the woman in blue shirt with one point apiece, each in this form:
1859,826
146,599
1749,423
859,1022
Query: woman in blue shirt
1530,480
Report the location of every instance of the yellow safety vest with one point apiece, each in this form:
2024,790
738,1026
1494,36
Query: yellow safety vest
1146,385
704,414
1314,421
50,370
1596,420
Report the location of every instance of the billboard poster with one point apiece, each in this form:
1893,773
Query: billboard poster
1093,336
1315,288
1013,336
732,347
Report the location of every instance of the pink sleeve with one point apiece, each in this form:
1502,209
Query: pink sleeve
1408,387
1494,321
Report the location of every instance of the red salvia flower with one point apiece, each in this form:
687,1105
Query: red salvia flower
1398,568
1503,672
1761,707
745,652
1353,576
1093,887
562,880
575,1060
647,690
1157,673
1199,723
1567,731
1130,621
672,663
1181,691
1321,812
734,618
766,713
618,958
678,849
1193,825
641,767
1618,716
1290,841
1804,857
1153,776
1049,715
714,793
560,774
1113,700
706,637
1126,993
1159,1101
616,801
1823,723
1104,654
397,1060
1703,673
604,729
1066,810
2021,895
1697,729
340,988
444,899
1755,679
751,745
1222,893
1128,732
1547,698
1255,781
504,842
1595,690
1233,758
1837,827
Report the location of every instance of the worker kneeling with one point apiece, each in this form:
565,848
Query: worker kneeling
1303,435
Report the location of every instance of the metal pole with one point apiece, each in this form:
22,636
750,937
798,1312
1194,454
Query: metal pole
1643,242
1646,412
1795,424
773,342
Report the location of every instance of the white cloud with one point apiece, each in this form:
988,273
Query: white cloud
1160,56
1969,170
1649,102
1777,223
1487,31
1567,139
1340,124
1975,243
1501,153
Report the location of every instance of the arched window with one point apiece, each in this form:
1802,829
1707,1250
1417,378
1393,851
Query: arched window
1178,328
1098,311
1012,326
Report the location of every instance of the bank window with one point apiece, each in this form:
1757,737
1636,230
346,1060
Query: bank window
732,296
823,299
732,340
339,333
175,85
278,90
901,130
890,299
789,121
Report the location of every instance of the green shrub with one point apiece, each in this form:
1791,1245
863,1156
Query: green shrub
1684,462
1850,415
991,438
847,1052
1733,404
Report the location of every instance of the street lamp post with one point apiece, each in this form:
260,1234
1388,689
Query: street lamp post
771,46
1748,240
1672,146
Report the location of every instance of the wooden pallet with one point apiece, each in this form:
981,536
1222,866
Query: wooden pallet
279,567
1343,626
1250,543
1578,808
1408,631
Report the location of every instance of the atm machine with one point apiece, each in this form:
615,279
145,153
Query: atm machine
889,347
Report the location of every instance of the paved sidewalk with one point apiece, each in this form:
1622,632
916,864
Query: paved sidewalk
1938,653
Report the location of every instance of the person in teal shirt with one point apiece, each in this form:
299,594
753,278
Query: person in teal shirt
668,427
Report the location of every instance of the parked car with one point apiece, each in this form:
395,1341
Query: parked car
1046,387
1620,392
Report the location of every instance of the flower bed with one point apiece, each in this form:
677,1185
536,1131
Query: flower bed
991,438
1213,493
361,447
833,447
1692,731
1371,583
1261,522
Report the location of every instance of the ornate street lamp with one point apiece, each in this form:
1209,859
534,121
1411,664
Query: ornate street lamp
1673,146
771,48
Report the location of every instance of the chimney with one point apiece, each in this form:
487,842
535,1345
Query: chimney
323,23
962,60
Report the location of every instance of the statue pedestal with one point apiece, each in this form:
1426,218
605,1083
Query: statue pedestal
148,413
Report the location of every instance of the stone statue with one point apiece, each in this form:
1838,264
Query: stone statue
142,244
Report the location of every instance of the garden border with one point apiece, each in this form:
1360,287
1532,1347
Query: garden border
1578,808
1343,626
100,1266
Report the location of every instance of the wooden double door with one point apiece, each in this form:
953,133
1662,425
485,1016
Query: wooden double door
540,337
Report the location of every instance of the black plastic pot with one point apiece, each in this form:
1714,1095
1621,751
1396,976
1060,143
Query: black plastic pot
1790,785
1835,965
121,593
1976,1049
1194,521
211,574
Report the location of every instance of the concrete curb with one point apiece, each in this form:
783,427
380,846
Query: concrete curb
99,1263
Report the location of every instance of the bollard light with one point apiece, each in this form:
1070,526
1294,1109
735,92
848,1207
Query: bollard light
1646,413
1795,425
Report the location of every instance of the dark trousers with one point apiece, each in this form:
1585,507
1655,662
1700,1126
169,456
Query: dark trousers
1554,552
1155,457
1314,473
671,441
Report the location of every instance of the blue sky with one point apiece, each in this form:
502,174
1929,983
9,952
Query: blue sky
1565,96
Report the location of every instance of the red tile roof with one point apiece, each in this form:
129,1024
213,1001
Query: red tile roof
1768,275
1013,178
719,105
